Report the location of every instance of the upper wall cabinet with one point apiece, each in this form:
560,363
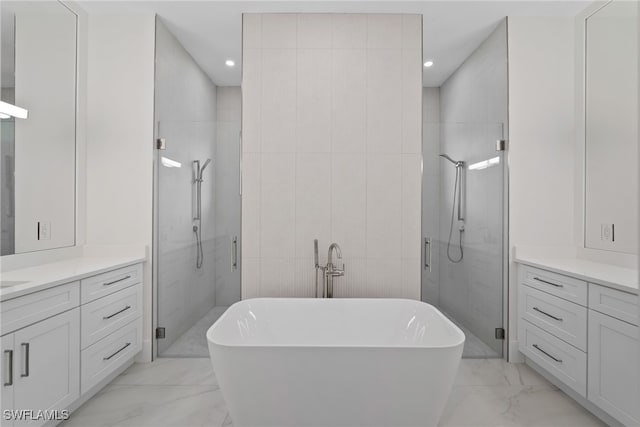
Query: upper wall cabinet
38,153
611,87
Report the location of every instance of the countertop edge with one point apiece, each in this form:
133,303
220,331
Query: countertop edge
17,291
591,279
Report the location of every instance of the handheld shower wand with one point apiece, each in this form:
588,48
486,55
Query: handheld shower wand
206,163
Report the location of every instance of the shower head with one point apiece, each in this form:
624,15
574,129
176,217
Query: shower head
201,169
457,163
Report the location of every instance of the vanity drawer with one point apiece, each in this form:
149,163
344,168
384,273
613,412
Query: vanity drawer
566,287
19,312
105,315
562,360
112,281
615,303
108,354
559,317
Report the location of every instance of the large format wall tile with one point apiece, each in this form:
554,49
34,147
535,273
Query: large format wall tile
332,136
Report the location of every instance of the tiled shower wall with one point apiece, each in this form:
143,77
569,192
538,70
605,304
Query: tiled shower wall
331,150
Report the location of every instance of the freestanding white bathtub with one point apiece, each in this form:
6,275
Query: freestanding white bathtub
334,362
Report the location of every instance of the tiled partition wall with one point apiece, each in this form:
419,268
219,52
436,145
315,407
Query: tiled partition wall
331,150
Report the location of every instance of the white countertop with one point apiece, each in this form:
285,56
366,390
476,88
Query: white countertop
612,276
52,274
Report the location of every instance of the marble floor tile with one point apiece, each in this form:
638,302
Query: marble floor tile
497,372
153,406
183,393
528,405
166,371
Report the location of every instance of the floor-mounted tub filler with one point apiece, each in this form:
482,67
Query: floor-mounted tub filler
334,362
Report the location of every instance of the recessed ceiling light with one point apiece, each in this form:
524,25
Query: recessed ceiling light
428,64
229,63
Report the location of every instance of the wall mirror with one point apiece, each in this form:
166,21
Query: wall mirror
37,154
611,128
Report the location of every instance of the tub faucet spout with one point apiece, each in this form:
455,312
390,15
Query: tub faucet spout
331,269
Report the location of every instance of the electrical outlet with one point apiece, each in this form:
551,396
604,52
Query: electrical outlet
44,230
607,232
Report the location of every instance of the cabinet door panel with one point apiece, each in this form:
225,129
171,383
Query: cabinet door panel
613,367
7,375
48,364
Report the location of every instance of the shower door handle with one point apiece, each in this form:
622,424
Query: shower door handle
427,253
234,253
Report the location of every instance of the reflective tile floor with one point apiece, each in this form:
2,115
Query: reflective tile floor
183,392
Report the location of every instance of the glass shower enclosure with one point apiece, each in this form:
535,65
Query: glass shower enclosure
197,231
464,200
464,233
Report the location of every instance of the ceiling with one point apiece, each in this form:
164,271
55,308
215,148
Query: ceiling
452,30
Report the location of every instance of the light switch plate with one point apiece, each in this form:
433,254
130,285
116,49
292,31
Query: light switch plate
44,230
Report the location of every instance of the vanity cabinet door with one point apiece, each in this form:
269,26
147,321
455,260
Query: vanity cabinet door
47,364
7,375
614,377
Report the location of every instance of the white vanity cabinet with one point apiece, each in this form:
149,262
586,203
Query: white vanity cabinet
6,374
41,365
60,344
46,364
584,335
614,374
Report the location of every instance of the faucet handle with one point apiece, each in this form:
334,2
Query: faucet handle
335,271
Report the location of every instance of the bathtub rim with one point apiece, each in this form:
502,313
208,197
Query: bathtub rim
460,342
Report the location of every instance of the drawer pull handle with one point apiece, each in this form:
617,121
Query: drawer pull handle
9,367
557,285
25,345
547,314
547,354
122,348
116,281
116,313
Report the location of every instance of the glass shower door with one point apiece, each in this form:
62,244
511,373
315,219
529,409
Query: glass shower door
464,208
186,287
